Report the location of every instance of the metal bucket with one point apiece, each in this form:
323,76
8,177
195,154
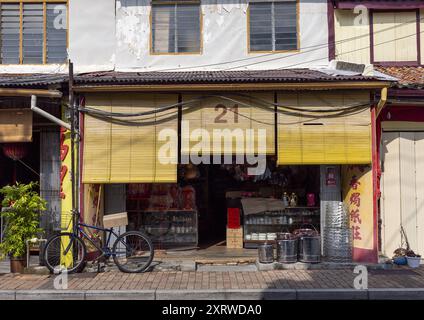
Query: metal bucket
287,251
310,249
266,253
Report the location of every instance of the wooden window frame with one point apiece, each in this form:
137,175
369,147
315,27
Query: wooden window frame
44,3
171,2
274,51
418,39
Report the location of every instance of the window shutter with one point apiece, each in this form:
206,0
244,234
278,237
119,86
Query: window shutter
261,27
10,31
163,28
56,33
127,153
285,17
33,33
305,138
273,26
176,28
188,26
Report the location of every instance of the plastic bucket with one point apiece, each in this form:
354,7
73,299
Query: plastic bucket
413,262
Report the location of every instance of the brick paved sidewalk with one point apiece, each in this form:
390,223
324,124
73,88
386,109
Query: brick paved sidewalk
278,279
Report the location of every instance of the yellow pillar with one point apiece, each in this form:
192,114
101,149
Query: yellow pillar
66,193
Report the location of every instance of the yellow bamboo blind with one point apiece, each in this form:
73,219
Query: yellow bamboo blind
228,117
305,138
123,153
15,125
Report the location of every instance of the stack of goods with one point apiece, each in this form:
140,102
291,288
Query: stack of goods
338,237
234,229
235,238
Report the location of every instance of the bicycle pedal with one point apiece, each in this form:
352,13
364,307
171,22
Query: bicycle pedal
101,269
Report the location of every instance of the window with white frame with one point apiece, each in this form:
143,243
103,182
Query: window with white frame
176,28
33,32
273,26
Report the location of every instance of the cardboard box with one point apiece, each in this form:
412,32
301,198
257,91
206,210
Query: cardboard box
235,238
115,220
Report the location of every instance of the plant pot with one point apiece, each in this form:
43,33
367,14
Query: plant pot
400,261
17,265
414,262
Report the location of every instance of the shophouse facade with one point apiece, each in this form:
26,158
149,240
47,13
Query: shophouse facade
147,69
388,34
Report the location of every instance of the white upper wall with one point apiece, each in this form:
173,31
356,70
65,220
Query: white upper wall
114,35
224,39
92,38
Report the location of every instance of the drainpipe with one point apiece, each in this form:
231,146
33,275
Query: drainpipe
47,115
383,101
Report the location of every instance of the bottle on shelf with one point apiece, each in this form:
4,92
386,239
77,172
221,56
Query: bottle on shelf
286,199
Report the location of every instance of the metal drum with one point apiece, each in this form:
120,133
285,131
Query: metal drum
266,253
287,250
310,249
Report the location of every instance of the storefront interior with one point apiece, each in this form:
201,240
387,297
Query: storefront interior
198,211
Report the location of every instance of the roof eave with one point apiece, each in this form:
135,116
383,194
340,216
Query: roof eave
339,85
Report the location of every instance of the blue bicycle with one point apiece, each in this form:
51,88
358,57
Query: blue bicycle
132,252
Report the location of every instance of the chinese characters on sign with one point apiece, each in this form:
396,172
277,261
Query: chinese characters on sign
64,151
358,196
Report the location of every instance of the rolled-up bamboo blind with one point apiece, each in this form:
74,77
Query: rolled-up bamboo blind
227,116
308,137
15,125
116,152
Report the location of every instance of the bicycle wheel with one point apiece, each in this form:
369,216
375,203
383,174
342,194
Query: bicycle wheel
133,252
63,252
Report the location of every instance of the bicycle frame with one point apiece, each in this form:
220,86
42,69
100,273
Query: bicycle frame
106,250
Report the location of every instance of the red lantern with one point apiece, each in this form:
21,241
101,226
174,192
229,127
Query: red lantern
15,151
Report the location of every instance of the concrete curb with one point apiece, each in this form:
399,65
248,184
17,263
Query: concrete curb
7,295
332,294
50,295
121,295
396,294
225,294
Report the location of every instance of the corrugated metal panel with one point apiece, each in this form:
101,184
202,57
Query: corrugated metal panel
419,173
403,190
50,178
408,187
392,191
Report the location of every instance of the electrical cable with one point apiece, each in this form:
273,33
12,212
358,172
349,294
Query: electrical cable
318,46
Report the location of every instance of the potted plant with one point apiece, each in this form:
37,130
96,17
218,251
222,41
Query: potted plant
22,222
413,259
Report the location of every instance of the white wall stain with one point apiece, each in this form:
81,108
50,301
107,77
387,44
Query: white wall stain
224,36
106,35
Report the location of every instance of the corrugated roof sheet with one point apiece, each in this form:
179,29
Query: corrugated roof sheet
31,80
194,77
263,76
408,77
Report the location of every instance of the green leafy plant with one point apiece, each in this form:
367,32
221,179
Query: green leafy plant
22,218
